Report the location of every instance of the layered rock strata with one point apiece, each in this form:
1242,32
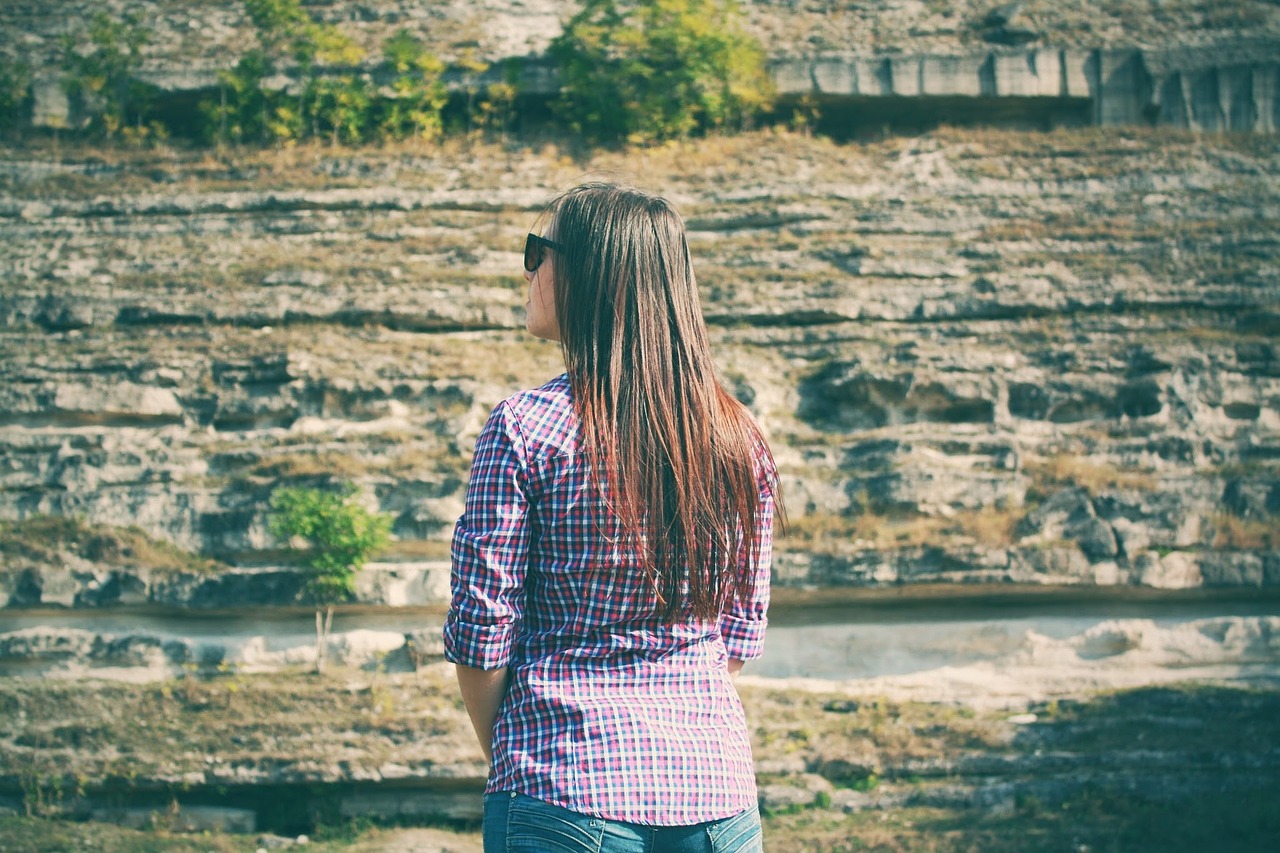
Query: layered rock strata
981,356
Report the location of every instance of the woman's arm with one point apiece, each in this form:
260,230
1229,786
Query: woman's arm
482,692
735,667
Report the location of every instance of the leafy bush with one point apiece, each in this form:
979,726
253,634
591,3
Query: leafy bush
100,77
641,71
340,535
289,40
244,110
15,91
335,96
417,91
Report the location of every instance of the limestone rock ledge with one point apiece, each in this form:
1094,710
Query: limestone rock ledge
426,584
1231,87
423,584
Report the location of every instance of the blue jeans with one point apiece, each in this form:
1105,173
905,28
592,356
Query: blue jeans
514,823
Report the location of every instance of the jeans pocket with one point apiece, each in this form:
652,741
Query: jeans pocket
738,834
534,826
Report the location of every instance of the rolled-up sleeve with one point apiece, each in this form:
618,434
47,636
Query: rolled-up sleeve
490,549
743,624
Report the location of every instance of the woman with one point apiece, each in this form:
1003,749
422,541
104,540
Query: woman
611,569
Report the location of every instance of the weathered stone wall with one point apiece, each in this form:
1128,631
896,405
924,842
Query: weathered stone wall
1211,90
982,357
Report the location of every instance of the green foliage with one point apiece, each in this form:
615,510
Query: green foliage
100,77
641,71
277,21
417,91
333,101
340,535
339,106
335,97
15,91
244,110
495,109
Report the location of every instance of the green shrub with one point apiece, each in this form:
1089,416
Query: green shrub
642,71
244,110
340,107
340,535
100,65
289,41
15,91
417,90
334,96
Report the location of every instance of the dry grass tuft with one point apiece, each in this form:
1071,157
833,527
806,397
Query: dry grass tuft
46,540
988,526
1233,533
306,464
1066,469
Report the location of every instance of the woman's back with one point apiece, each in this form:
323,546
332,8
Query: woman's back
611,710
612,565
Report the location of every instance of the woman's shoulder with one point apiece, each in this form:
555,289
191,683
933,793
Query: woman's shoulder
553,395
544,416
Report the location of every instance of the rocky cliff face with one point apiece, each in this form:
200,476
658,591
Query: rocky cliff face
1199,64
982,357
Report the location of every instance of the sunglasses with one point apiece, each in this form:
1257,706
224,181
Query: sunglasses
535,250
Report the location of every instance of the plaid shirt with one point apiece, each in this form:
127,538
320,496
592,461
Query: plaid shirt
608,711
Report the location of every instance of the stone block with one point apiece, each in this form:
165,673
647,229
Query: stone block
782,798
942,76
792,77
905,76
1075,77
1266,97
1231,568
50,109
1120,86
874,76
1132,538
833,77
1033,74
404,584
1176,570
363,647
124,398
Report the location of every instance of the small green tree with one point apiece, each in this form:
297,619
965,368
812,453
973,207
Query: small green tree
15,92
340,535
243,108
246,111
498,105
337,97
641,71
100,76
417,89
333,96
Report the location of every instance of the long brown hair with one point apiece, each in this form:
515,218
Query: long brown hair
676,457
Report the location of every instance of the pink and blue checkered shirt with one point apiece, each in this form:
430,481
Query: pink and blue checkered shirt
608,712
